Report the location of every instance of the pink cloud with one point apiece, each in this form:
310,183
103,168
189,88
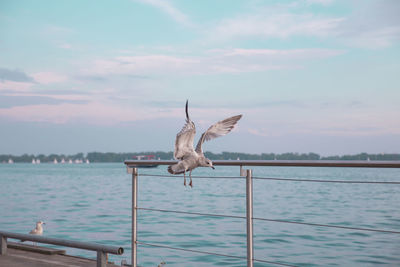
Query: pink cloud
49,77
140,65
273,25
93,112
65,46
171,10
15,86
214,61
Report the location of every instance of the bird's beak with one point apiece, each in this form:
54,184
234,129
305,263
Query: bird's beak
213,167
44,223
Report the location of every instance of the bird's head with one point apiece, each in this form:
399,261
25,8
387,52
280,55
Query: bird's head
209,163
40,223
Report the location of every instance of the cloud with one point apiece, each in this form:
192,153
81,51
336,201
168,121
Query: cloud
16,80
258,132
277,118
278,55
371,24
90,78
64,45
266,24
14,75
164,103
49,77
319,2
8,101
138,65
102,77
167,7
375,39
58,30
89,112
226,105
55,92
15,86
236,60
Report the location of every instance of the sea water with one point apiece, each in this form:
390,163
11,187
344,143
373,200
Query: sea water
92,202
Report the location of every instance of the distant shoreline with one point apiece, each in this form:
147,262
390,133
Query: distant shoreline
96,157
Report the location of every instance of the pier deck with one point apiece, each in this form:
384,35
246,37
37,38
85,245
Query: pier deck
21,255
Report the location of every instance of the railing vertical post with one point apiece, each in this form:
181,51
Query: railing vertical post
3,245
249,217
101,259
134,215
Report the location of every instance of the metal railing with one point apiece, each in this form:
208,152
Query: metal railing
101,250
132,168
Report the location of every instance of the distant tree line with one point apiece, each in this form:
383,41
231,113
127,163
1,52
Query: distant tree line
263,156
41,157
120,157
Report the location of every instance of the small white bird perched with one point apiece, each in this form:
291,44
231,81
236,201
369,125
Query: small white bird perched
38,230
184,151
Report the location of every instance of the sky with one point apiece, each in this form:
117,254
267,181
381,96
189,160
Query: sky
113,76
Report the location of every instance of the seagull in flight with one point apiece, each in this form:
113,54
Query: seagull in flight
190,158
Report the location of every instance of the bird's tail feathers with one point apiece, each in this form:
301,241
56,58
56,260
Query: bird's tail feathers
175,169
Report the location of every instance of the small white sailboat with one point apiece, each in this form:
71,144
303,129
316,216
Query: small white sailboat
70,161
10,161
33,161
87,161
55,161
62,161
38,161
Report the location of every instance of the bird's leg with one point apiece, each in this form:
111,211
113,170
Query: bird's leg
190,183
184,178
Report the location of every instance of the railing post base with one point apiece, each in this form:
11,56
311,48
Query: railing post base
3,245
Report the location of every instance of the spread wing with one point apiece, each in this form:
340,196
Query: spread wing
184,139
219,129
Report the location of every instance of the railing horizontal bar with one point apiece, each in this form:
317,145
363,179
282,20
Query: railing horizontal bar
328,225
194,213
193,176
211,253
276,179
281,163
63,242
272,220
324,181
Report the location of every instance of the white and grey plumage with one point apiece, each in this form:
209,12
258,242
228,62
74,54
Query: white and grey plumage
191,158
38,230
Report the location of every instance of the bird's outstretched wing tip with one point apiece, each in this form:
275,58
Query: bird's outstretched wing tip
186,110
